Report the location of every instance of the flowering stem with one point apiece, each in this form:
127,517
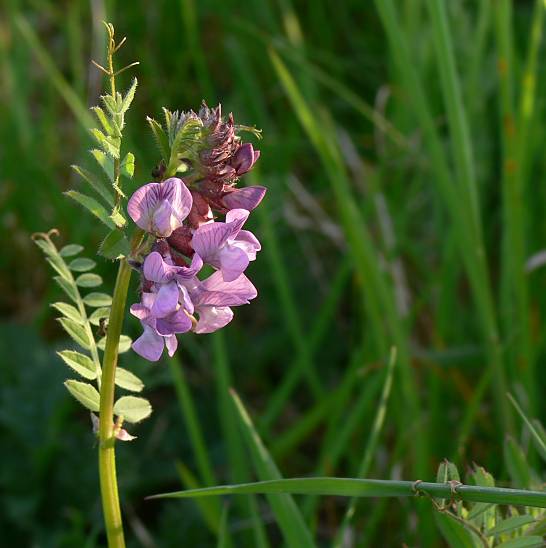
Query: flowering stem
107,459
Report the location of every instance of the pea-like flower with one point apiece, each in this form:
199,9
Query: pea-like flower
225,246
161,317
160,208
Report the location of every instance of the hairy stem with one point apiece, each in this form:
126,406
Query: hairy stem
107,459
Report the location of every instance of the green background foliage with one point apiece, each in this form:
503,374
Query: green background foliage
403,152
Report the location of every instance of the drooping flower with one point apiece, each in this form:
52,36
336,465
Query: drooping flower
213,297
225,246
160,208
161,317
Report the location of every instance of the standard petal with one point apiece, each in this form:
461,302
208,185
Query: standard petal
178,195
244,158
212,318
149,345
244,198
236,218
157,270
207,239
233,262
142,205
166,300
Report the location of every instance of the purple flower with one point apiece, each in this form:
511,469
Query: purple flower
244,198
213,298
160,208
161,317
244,158
157,270
225,246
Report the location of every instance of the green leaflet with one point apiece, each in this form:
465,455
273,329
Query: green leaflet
115,245
76,331
70,250
97,299
69,311
85,393
96,184
88,280
129,381
132,408
82,264
92,206
80,363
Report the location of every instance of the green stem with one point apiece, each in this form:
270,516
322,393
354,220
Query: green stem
107,458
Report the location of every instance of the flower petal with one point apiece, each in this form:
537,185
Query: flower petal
166,300
212,318
174,323
236,218
217,292
249,243
175,191
244,198
207,239
233,262
171,343
143,203
149,345
157,270
140,311
187,272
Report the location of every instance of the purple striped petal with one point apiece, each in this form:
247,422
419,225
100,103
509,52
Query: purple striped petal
207,239
212,318
233,262
244,198
157,270
217,292
236,218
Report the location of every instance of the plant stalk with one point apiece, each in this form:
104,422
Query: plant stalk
107,457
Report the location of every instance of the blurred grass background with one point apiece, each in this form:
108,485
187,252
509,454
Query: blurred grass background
403,151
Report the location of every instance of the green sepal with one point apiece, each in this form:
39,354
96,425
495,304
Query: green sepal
132,409
85,393
80,363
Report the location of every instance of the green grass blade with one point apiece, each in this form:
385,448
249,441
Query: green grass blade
286,512
371,446
350,487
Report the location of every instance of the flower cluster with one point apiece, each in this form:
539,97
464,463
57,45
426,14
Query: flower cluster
179,214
